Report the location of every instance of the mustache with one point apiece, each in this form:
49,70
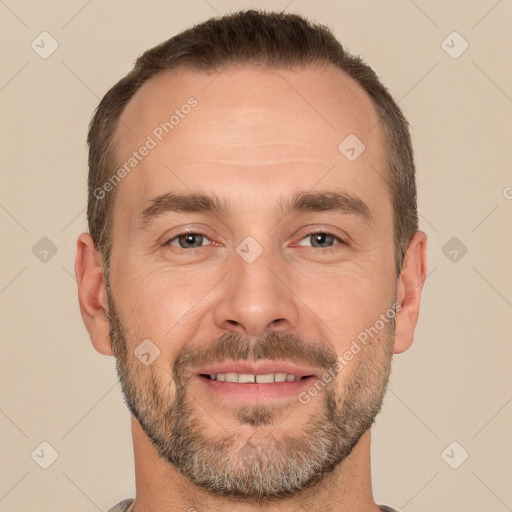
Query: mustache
275,346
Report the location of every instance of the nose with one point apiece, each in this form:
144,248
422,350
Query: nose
257,297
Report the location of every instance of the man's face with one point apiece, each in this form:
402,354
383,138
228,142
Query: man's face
253,287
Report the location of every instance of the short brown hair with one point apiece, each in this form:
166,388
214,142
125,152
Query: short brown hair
274,40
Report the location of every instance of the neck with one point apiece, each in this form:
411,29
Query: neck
161,488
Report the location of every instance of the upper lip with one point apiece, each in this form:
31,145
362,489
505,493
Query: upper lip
258,368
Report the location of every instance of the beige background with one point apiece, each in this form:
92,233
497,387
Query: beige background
454,384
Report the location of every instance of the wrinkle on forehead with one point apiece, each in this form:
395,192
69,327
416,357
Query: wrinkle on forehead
249,106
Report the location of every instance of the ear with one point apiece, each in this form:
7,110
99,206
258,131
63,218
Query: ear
409,286
92,294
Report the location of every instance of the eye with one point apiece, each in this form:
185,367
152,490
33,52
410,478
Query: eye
188,240
193,240
319,239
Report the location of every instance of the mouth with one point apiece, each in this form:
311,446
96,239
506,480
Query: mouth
243,381
247,378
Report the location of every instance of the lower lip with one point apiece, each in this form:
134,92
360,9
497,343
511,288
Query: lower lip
256,392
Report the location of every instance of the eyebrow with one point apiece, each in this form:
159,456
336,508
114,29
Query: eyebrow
340,202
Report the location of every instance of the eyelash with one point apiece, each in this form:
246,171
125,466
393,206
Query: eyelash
311,233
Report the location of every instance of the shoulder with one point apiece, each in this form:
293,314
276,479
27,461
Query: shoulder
121,506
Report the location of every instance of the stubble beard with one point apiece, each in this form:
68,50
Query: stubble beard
271,463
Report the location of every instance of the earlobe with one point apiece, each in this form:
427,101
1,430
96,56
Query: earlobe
92,294
409,287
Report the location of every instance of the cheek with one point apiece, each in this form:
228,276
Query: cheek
352,312
344,301
161,303
166,304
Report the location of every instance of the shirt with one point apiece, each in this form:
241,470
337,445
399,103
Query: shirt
123,505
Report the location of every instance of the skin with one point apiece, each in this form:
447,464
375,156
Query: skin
255,137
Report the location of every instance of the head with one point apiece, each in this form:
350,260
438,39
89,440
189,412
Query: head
252,202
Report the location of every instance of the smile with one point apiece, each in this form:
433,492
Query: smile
246,378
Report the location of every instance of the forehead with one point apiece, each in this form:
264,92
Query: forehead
326,98
250,130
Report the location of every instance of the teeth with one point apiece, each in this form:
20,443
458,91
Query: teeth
245,378
265,379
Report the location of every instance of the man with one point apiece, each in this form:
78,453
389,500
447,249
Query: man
253,264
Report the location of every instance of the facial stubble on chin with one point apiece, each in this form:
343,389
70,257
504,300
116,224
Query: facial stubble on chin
271,463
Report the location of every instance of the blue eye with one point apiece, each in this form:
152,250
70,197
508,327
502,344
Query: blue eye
318,240
188,240
322,239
